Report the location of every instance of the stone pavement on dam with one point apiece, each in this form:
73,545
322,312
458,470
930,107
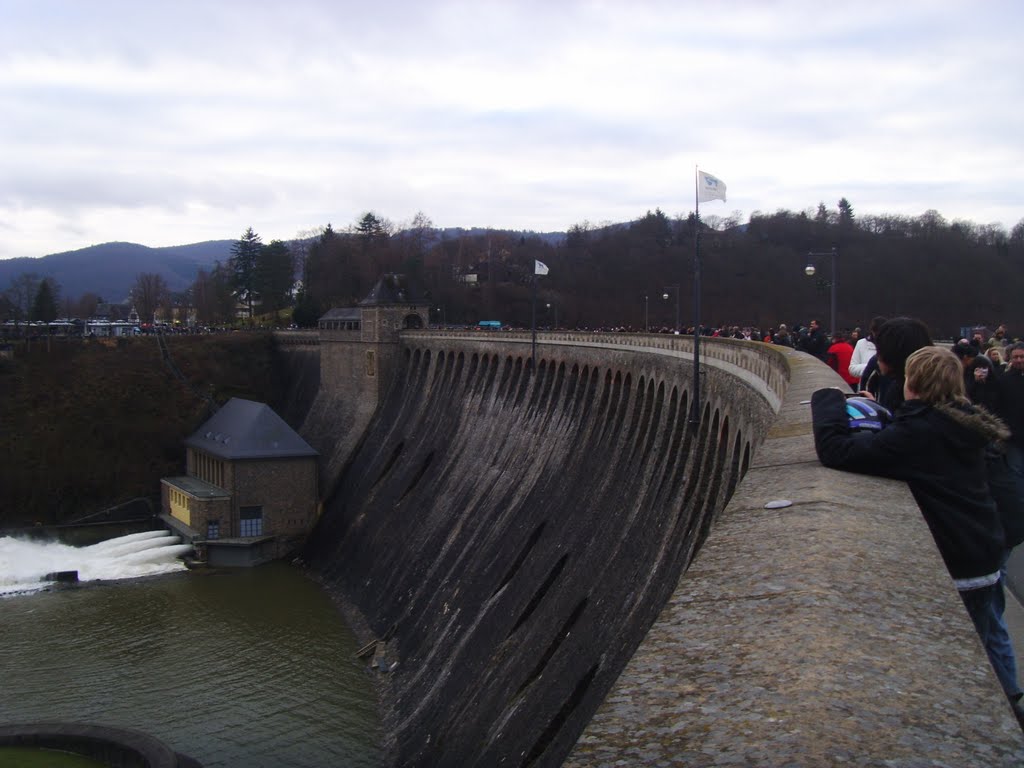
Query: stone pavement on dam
1014,608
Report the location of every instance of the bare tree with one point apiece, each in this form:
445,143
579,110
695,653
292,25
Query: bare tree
213,296
21,294
1017,233
85,307
149,294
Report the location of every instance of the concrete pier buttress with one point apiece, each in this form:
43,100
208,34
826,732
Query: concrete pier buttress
826,633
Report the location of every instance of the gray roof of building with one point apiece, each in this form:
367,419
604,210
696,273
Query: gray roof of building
343,313
391,290
243,429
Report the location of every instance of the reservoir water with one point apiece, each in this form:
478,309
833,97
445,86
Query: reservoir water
248,667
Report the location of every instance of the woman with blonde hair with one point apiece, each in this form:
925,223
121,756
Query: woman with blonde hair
995,354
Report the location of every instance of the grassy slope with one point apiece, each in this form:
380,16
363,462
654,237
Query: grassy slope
86,425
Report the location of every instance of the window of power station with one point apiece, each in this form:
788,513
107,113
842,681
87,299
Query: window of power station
250,521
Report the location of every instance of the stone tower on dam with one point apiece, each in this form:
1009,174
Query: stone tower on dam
358,359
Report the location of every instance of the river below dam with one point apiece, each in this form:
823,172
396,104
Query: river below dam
247,667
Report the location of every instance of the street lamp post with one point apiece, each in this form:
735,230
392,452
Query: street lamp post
551,306
647,325
833,284
674,287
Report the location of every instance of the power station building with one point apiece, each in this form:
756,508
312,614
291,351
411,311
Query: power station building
250,492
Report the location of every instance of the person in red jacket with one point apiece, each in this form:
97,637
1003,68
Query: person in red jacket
838,357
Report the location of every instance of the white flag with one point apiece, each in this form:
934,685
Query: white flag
709,188
539,267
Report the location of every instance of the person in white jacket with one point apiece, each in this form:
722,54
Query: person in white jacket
865,349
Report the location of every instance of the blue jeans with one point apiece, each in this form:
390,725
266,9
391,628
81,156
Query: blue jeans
986,606
1015,459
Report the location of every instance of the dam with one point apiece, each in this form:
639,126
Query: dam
559,569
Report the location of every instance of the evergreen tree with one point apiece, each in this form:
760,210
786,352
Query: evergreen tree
372,229
306,312
274,276
44,305
845,213
374,234
245,255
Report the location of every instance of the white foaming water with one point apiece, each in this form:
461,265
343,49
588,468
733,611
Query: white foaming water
23,563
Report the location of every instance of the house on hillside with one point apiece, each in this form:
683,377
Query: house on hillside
250,490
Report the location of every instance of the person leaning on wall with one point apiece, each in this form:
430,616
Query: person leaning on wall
937,443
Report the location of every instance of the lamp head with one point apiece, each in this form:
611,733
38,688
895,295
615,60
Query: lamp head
809,270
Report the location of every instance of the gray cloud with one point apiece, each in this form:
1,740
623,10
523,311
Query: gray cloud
176,122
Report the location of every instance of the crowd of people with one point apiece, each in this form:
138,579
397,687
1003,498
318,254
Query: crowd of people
953,429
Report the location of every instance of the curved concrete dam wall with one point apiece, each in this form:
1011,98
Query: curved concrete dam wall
513,536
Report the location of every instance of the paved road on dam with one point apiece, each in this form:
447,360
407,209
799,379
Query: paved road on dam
1015,595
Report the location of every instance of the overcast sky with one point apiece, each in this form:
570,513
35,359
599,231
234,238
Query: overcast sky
171,123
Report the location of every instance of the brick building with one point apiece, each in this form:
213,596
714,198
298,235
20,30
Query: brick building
250,492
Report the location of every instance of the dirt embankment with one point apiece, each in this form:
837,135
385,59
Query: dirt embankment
86,424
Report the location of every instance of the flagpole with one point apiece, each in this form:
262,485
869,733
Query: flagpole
533,322
695,405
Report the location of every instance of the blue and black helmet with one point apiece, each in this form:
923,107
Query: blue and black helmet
866,415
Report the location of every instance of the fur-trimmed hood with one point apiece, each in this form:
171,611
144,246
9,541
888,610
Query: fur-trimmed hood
976,419
941,452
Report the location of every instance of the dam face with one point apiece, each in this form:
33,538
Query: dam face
513,534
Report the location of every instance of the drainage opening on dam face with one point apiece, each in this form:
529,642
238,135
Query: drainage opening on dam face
419,475
539,595
563,715
736,467
391,462
563,633
530,544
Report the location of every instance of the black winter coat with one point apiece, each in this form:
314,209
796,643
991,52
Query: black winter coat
940,452
1010,403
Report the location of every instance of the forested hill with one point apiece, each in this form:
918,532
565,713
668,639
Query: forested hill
110,270
87,424
949,275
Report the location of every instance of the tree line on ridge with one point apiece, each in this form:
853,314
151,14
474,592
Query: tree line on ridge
633,275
